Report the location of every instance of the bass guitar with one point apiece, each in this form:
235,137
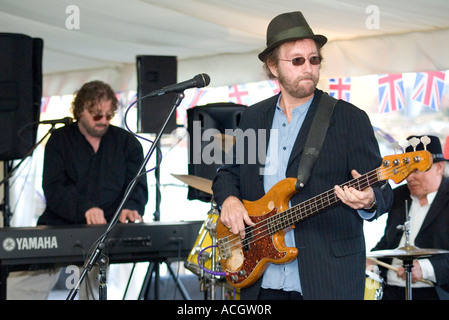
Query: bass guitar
244,260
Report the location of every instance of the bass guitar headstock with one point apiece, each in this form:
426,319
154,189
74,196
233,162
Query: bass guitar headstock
399,166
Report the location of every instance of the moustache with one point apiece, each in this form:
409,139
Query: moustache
307,77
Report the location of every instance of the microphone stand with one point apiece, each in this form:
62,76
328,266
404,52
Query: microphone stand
101,241
7,214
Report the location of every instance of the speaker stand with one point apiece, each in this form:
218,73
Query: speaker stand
4,207
154,268
157,175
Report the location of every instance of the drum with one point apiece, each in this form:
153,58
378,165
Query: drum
209,260
373,286
203,241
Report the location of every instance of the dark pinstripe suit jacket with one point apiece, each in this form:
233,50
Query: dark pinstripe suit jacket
331,245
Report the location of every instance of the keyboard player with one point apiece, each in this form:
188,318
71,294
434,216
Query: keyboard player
87,167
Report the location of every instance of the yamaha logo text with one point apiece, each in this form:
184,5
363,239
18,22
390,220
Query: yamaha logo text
30,243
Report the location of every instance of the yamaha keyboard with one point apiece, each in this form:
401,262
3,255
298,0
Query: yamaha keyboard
43,246
126,242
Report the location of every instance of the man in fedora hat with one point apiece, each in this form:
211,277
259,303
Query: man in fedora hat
331,247
427,197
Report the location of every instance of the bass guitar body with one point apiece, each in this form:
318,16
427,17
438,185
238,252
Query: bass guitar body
245,260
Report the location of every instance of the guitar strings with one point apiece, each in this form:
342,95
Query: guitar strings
260,230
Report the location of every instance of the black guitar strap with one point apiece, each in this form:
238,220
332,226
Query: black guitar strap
315,139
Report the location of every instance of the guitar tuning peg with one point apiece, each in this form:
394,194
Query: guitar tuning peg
414,142
404,144
425,141
396,147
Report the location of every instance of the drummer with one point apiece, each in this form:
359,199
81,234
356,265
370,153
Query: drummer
427,195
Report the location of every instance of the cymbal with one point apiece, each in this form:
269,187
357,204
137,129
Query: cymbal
405,252
199,183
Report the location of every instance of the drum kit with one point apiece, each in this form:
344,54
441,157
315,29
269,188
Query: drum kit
204,260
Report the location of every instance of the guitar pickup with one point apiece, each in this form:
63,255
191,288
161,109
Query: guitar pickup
246,240
223,248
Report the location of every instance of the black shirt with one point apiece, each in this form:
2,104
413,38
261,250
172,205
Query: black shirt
75,178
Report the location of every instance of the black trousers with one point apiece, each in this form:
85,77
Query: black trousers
271,294
398,293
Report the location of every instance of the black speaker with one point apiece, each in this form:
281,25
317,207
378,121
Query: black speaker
20,93
153,73
217,116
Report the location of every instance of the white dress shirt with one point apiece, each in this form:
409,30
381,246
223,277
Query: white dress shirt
417,215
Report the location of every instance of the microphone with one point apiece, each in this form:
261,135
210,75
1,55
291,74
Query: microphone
66,121
198,81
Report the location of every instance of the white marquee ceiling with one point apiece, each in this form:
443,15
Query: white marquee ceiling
207,33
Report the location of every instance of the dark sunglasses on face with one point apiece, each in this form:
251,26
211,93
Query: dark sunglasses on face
98,117
299,61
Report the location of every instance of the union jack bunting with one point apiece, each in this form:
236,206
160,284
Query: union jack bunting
391,92
340,88
274,84
428,88
239,94
44,104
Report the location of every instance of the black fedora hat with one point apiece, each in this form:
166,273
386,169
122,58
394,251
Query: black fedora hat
287,27
434,147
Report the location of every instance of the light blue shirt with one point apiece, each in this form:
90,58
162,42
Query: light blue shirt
283,276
